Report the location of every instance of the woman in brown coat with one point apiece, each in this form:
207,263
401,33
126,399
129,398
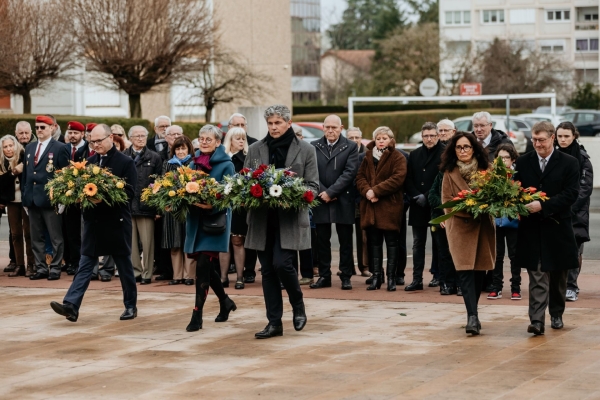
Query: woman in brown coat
379,181
472,241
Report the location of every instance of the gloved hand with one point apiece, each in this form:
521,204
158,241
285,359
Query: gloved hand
420,200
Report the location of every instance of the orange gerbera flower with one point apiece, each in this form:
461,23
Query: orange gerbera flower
90,189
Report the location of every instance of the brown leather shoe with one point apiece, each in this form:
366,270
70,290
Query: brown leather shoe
30,270
19,271
365,272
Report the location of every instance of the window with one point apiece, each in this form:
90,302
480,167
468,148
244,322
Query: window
458,17
493,16
558,15
591,17
583,45
546,49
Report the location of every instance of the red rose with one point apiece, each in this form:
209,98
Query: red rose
288,173
474,191
532,190
263,166
257,173
461,195
543,194
308,196
244,171
218,196
509,175
456,198
256,191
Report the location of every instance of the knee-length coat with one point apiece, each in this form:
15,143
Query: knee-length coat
472,241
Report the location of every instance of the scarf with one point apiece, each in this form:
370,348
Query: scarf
573,150
278,148
203,162
176,160
467,170
378,153
159,144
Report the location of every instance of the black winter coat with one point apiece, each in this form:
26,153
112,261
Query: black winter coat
148,164
83,153
336,178
423,167
498,137
581,208
547,236
7,182
107,229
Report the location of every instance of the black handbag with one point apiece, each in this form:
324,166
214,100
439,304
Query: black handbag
214,224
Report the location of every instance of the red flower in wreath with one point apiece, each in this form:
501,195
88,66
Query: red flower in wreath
308,196
263,166
257,173
244,171
256,191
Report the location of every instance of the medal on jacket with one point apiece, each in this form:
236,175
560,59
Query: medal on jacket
50,165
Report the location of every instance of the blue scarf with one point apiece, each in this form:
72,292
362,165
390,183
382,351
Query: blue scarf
176,160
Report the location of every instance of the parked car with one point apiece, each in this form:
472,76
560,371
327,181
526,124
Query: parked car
517,132
548,110
587,122
534,118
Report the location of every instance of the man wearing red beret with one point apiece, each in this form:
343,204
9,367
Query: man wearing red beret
42,159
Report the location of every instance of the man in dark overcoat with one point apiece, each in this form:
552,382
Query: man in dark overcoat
337,160
42,159
547,246
106,230
423,167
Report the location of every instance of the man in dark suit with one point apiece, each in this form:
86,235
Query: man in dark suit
337,161
158,142
547,246
42,159
106,230
423,167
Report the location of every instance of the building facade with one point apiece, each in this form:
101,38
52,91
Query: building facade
567,28
306,49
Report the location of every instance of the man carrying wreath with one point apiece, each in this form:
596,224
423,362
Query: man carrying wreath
278,234
107,230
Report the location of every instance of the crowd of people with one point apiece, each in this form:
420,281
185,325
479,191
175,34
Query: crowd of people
368,188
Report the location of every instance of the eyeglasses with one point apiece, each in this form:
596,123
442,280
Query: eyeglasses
539,140
354,137
506,157
240,125
117,134
40,127
429,137
206,140
97,142
163,126
138,137
174,134
465,148
480,126
445,130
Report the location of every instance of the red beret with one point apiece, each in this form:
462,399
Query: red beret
75,126
44,119
89,126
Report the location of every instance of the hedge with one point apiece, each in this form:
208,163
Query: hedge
403,123
383,107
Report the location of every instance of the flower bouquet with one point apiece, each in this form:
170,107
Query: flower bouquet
177,191
265,186
86,185
493,192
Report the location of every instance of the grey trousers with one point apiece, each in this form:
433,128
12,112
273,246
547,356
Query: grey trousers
41,219
547,290
574,273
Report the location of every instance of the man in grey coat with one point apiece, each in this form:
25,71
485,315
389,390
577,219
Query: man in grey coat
337,160
277,234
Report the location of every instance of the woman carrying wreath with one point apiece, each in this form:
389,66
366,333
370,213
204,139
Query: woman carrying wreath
202,244
472,241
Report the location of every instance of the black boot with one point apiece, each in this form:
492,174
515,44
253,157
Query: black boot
227,306
196,321
392,262
376,254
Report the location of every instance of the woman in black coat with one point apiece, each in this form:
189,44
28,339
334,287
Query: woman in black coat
11,168
566,142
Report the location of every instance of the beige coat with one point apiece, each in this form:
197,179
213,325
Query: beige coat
472,241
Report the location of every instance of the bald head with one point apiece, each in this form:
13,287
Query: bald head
101,139
332,127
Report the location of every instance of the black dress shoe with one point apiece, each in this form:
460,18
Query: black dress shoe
53,276
196,321
249,279
414,285
175,282
38,276
226,307
400,281
445,290
94,277
72,270
146,281
163,277
105,278
129,313
537,328
138,279
231,269
434,283
369,280
189,282
473,325
321,283
346,285
299,318
556,323
269,332
66,310
458,291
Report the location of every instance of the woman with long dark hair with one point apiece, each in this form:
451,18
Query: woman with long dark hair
472,241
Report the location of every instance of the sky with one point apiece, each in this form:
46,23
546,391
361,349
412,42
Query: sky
331,12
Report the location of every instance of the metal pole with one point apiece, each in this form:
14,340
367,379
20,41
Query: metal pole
507,113
553,105
350,112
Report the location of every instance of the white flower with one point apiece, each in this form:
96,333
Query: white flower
227,188
239,181
275,191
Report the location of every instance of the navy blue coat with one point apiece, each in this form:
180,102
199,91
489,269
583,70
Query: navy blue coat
108,229
35,177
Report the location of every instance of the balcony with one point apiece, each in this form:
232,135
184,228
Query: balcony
586,26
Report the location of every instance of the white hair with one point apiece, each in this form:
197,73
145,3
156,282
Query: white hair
238,115
24,124
482,115
278,110
446,122
211,129
336,116
161,117
355,129
169,129
135,127
232,133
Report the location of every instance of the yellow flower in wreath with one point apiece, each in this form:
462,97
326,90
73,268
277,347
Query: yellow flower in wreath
70,184
120,185
172,193
96,170
471,202
483,206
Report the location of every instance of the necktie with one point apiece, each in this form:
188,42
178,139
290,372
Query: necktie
73,150
330,148
544,161
92,152
102,159
37,154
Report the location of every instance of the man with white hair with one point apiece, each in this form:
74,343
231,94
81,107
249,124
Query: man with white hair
489,137
238,120
446,130
158,142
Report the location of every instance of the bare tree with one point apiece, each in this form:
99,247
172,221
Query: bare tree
222,77
139,45
35,46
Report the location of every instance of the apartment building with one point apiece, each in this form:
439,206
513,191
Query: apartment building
567,28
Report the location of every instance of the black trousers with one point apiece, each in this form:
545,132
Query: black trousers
162,257
277,265
11,250
344,232
72,221
471,283
376,236
447,272
506,237
250,263
82,278
306,263
359,243
419,243
574,272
